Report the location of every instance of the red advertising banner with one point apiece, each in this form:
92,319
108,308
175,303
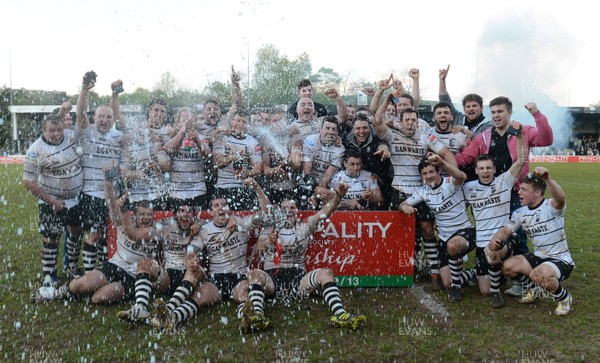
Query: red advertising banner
17,159
364,249
564,159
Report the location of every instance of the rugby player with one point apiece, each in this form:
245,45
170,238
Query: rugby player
489,197
284,251
445,199
53,174
543,220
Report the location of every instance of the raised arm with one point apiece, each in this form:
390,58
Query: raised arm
83,120
542,134
379,125
416,89
458,177
342,115
236,94
522,151
328,208
115,105
263,200
381,87
558,196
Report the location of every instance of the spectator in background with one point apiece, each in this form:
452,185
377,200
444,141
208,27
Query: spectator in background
305,91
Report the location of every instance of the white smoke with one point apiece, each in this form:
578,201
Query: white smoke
528,59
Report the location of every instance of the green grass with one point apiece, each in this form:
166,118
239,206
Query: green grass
399,328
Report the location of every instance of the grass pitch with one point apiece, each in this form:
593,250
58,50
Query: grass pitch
405,324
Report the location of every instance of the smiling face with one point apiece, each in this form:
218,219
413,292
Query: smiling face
443,119
361,131
305,92
430,175
239,125
212,113
472,110
501,117
144,217
103,119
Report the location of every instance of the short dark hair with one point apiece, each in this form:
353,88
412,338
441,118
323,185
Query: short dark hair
142,204
406,95
210,100
442,105
498,101
331,119
362,108
304,83
483,157
425,163
408,110
535,181
51,118
352,153
159,101
472,97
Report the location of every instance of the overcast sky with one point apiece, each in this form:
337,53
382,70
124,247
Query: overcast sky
521,49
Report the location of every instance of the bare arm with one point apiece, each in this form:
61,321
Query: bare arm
496,242
115,105
82,120
263,200
448,156
381,87
416,89
458,177
522,152
328,208
342,115
558,195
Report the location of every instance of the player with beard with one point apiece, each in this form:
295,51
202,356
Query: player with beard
544,221
284,250
472,121
238,156
321,159
181,274
53,174
408,147
102,146
136,241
